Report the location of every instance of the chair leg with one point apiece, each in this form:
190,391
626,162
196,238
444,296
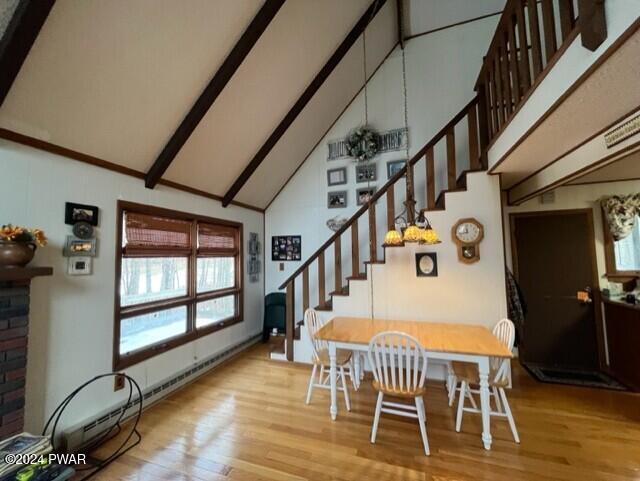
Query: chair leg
507,410
345,389
453,385
321,375
423,424
463,395
354,370
471,399
496,396
312,381
376,418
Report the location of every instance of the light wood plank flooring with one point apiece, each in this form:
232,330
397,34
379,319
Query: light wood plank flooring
247,421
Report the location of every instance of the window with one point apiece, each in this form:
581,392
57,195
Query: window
623,256
178,277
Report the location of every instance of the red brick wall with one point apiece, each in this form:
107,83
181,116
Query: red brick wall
14,317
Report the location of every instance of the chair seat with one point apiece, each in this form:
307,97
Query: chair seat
343,356
404,392
466,371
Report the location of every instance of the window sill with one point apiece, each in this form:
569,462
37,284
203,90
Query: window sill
137,357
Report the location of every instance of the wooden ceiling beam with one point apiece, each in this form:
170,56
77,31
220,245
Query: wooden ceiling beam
235,58
306,96
18,38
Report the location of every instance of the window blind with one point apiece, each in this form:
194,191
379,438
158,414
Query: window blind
152,235
217,239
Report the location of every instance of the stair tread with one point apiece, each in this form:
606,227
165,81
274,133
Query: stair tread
328,306
359,277
342,292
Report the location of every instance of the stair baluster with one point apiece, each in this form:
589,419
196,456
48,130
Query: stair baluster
337,265
391,208
451,160
322,295
305,290
355,250
373,243
431,185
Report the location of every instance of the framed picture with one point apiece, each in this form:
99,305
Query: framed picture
75,246
427,264
80,213
364,194
337,176
286,248
394,166
337,199
366,173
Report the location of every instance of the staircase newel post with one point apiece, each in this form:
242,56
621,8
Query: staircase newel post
289,316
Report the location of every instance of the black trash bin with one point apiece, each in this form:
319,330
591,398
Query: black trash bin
274,313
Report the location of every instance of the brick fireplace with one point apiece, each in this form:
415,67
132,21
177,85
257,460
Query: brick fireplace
15,285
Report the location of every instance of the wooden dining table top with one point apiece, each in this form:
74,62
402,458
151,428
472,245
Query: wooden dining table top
433,336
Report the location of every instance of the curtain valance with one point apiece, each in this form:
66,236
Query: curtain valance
620,212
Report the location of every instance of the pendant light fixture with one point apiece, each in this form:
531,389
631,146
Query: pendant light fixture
413,226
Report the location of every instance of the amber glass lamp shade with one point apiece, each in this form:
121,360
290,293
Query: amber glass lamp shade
430,236
393,238
413,233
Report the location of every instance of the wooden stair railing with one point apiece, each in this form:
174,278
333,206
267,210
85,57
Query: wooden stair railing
477,161
527,43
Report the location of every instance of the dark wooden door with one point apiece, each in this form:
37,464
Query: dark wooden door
554,258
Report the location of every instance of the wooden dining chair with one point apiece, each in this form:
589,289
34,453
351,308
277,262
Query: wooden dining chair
503,330
321,361
399,366
499,379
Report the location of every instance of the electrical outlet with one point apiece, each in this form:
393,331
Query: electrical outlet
118,382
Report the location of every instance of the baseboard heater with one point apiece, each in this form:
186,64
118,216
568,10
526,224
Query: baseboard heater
82,434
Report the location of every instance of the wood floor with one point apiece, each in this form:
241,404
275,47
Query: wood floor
247,421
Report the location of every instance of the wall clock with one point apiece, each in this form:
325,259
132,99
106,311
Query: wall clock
426,264
467,234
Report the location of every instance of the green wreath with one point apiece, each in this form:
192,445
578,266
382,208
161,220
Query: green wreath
362,144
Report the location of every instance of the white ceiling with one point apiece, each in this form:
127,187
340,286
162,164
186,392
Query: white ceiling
113,79
627,168
278,69
611,91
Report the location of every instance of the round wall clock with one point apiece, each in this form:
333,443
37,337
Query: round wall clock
467,234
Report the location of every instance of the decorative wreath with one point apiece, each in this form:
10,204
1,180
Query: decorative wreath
362,144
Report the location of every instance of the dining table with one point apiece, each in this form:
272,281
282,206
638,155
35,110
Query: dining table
447,341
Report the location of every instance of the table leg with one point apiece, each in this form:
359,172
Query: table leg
485,401
333,372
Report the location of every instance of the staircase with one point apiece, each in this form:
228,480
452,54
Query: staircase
472,127
508,76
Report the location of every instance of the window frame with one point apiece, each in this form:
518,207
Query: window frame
190,300
610,256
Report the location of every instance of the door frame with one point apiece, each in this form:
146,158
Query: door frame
595,285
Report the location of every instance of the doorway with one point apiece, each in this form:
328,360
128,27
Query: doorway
553,259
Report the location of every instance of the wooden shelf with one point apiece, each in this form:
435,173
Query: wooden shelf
23,273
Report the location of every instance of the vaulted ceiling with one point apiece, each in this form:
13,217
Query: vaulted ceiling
114,80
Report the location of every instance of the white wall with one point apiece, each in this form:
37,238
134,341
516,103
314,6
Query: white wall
426,15
441,71
71,330
585,196
461,293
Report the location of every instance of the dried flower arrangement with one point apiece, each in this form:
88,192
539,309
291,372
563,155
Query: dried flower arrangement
14,233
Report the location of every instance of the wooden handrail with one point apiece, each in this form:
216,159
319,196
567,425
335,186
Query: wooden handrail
380,192
508,75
